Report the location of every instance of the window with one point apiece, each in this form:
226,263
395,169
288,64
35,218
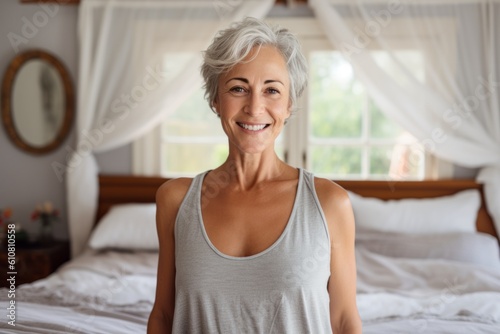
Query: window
348,136
192,139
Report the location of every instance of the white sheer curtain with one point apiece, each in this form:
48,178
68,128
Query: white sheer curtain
124,89
454,111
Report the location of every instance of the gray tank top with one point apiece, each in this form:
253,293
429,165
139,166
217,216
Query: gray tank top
282,289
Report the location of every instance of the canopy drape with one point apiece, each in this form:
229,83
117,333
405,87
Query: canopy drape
454,110
124,89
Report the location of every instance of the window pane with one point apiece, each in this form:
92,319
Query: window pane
192,158
407,162
381,126
193,118
349,136
380,160
336,98
329,160
398,162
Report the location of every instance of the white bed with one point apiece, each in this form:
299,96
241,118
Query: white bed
99,292
403,295
446,282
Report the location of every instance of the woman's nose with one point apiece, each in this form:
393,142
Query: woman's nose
255,104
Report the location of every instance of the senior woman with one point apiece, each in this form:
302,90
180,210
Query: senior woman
255,245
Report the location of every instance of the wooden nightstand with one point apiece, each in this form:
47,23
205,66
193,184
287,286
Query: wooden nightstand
34,261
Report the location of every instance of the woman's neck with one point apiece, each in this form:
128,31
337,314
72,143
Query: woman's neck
246,171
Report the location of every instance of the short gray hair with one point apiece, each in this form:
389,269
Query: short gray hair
233,44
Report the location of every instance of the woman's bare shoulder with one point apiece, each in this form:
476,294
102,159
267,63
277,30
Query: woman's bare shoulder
173,191
330,191
169,197
335,203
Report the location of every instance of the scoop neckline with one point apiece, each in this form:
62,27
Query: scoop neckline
263,252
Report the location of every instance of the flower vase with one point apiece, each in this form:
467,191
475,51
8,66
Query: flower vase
45,231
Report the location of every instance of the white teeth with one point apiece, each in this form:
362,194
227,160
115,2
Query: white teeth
252,127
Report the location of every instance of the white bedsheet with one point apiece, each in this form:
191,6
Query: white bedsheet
116,278
426,296
113,292
110,292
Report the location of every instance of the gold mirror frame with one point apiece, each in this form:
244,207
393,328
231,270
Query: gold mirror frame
7,107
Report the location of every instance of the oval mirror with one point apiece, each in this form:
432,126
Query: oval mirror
37,101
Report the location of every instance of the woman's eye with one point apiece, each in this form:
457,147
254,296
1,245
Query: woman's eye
273,91
237,90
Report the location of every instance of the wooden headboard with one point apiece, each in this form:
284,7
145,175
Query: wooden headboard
118,189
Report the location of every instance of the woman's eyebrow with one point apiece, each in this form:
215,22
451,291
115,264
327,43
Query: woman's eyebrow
240,79
246,80
272,81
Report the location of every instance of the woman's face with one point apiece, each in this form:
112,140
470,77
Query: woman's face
253,100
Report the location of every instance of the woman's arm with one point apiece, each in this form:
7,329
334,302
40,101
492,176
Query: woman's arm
344,316
168,199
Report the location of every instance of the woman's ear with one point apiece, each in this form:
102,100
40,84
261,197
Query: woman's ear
215,106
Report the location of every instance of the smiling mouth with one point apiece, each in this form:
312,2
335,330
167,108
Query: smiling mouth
252,127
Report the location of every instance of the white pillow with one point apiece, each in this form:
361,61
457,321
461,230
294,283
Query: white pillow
477,248
455,213
127,226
